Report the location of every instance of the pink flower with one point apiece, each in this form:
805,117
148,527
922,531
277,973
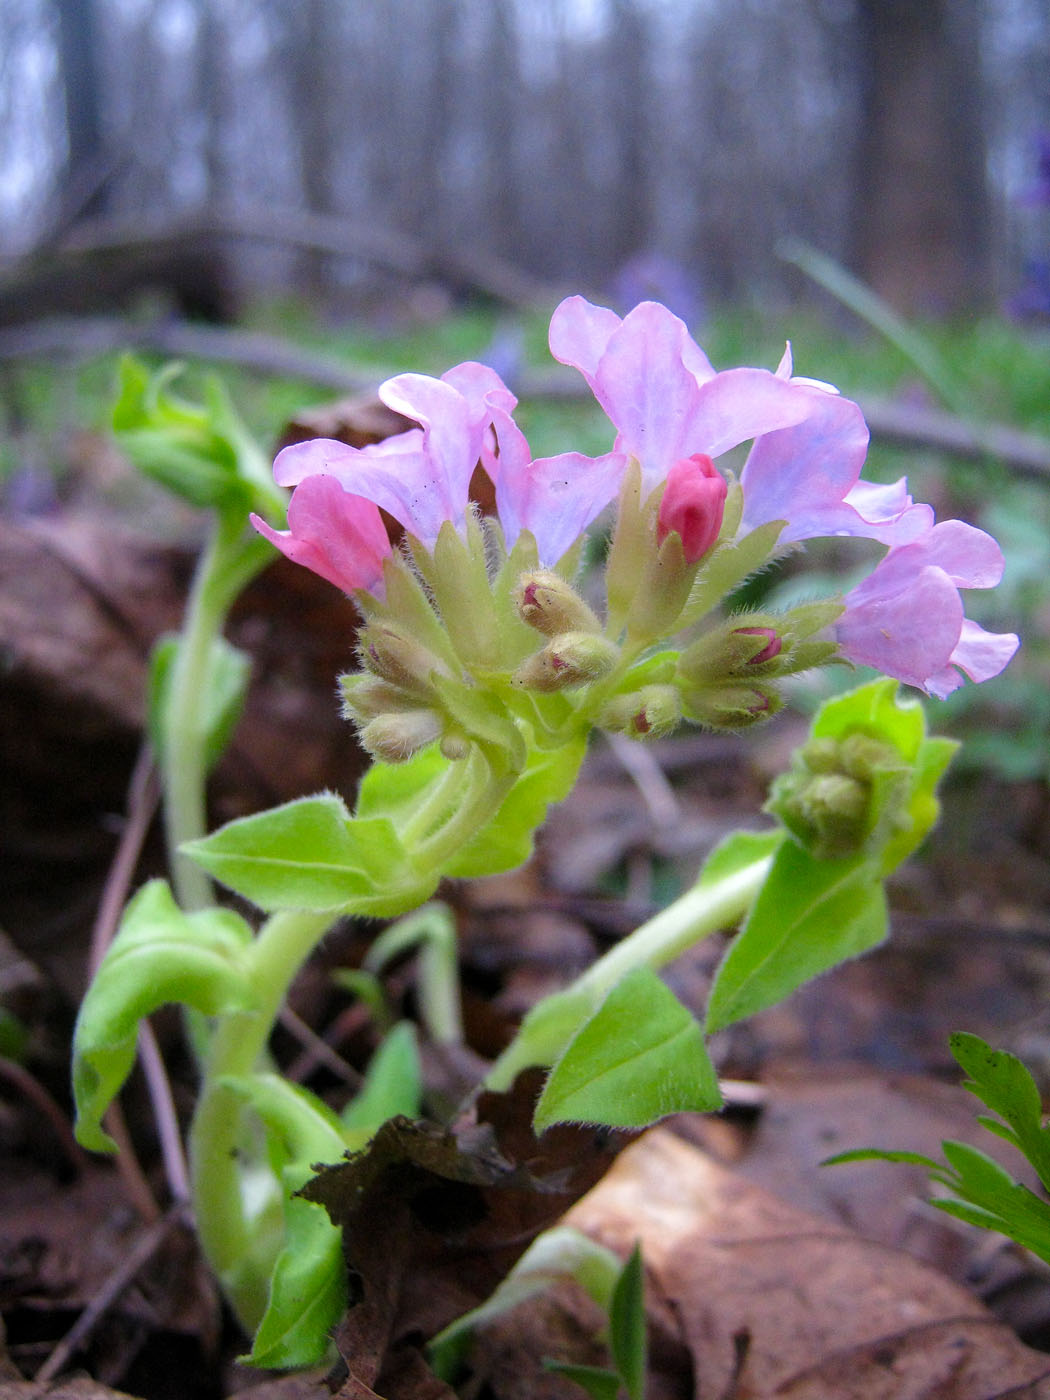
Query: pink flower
692,505
659,389
809,475
337,535
422,476
556,498
906,618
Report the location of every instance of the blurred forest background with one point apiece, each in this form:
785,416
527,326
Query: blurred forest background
516,147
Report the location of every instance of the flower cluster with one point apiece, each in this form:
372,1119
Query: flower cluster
454,617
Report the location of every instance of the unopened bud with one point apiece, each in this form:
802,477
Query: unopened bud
735,705
773,644
730,652
826,799
649,713
396,737
574,658
693,504
397,657
366,696
545,601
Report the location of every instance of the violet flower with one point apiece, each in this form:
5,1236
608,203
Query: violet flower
906,618
661,392
421,477
808,474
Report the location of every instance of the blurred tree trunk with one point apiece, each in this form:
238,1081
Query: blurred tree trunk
84,185
921,217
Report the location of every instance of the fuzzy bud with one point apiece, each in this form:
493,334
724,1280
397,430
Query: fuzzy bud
693,505
366,697
649,713
398,658
396,737
545,601
572,659
826,799
734,705
731,652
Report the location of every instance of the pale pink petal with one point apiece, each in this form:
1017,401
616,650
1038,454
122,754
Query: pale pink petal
579,333
338,536
980,654
739,404
908,632
555,498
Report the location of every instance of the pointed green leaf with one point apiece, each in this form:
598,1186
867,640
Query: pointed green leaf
308,1292
309,854
159,955
304,1129
393,1086
1003,1083
740,849
640,1057
627,1334
809,915
599,1382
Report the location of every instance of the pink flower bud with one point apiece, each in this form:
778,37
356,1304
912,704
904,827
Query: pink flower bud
771,649
693,501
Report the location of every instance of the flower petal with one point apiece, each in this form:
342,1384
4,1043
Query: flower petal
909,632
339,536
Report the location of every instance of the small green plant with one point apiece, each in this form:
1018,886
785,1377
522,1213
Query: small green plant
483,670
981,1192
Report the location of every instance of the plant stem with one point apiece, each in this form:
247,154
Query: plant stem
700,911
481,801
227,1235
228,562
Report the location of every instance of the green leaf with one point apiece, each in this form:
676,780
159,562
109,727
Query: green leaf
302,1127
310,854
1003,1083
308,1292
810,914
739,849
159,955
597,1381
393,1086
395,790
561,1252
640,1057
506,842
221,699
627,1335
204,454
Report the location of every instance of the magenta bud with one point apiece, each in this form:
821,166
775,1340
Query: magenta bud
693,504
773,643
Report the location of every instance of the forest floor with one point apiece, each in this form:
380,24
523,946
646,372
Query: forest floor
766,1273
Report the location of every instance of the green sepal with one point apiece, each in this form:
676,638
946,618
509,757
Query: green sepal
809,915
727,566
483,717
221,699
159,955
310,854
507,840
640,1057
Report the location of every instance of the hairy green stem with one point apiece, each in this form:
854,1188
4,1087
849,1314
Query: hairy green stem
702,910
283,945
229,561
